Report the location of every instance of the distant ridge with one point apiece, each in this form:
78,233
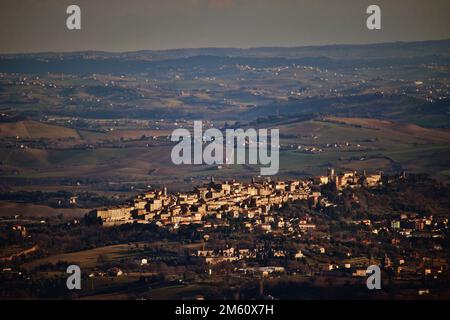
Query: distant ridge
178,52
147,61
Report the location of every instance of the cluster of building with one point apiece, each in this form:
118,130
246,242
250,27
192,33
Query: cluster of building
349,178
230,198
253,206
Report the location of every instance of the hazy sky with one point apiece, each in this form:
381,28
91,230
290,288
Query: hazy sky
125,25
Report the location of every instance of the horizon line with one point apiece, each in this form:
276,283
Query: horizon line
225,47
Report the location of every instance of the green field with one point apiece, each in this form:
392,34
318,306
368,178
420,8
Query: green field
88,258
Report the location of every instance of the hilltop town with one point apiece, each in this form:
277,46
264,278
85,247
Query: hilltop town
230,198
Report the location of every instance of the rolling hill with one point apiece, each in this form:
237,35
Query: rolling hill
34,130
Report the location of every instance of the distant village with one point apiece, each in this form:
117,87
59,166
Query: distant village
256,199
